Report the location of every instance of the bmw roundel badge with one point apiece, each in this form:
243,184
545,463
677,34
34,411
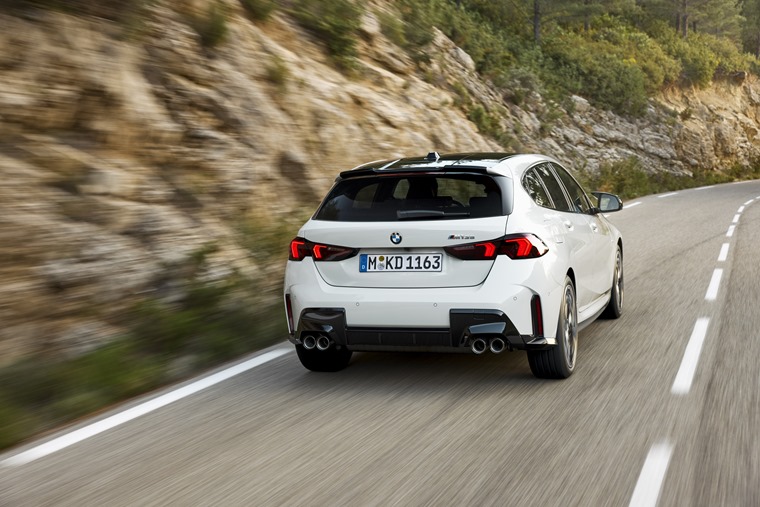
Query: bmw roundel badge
396,238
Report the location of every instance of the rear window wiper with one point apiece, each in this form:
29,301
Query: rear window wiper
422,214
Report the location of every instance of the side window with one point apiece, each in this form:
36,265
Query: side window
536,190
577,195
553,187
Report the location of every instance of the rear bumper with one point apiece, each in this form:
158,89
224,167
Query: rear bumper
465,326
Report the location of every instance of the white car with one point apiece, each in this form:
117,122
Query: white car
469,252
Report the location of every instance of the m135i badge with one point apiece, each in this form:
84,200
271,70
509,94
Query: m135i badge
461,236
396,238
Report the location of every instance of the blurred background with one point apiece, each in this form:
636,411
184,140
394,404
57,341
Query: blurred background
157,156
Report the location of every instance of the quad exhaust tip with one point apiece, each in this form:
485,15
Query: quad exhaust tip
323,343
309,342
479,346
497,345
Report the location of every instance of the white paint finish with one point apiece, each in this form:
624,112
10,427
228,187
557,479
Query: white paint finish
741,208
685,375
736,219
667,195
730,231
626,206
76,436
714,287
723,253
652,475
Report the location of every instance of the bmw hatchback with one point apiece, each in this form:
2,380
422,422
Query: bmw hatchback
474,253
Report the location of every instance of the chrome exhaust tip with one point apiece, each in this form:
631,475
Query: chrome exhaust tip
309,342
497,345
479,346
323,343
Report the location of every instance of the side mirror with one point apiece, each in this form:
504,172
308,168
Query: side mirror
607,203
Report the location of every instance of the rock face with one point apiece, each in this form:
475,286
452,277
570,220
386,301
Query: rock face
125,159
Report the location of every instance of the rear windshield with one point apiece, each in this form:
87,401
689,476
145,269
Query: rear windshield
389,198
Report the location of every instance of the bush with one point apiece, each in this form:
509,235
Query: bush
576,65
334,22
278,73
211,25
259,10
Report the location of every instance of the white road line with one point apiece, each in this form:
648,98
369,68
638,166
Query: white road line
748,202
723,253
632,204
736,219
741,208
712,289
667,195
652,475
730,231
703,188
108,423
685,375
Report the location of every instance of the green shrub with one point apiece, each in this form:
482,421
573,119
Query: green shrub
259,10
278,73
393,28
211,25
581,66
334,22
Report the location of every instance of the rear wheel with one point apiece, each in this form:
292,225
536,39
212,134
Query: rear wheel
559,361
332,359
615,307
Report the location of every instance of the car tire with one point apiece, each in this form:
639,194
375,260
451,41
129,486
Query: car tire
615,307
559,361
332,359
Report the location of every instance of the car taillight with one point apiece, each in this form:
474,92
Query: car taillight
301,248
515,246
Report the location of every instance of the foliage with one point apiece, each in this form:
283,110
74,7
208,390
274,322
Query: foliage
578,65
259,10
278,73
628,179
113,10
334,22
211,25
393,28
166,342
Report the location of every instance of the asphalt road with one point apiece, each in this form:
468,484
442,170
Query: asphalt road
664,407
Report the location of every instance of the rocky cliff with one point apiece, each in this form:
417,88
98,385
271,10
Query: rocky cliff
131,164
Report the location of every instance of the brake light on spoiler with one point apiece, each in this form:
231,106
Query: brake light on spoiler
514,246
301,248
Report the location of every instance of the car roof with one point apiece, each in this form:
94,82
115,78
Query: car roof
506,164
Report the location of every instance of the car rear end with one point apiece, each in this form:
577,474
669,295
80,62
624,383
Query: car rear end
414,255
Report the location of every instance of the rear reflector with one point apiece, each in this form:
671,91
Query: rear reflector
289,313
537,315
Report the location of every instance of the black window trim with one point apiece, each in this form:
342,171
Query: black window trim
538,178
567,192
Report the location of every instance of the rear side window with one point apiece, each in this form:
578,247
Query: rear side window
535,189
577,195
414,197
553,187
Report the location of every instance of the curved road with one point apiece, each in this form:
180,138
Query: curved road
664,408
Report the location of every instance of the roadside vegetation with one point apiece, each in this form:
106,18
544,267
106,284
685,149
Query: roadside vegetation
166,343
628,179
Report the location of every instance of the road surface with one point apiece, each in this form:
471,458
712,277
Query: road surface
663,409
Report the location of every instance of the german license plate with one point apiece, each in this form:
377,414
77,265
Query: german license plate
370,263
